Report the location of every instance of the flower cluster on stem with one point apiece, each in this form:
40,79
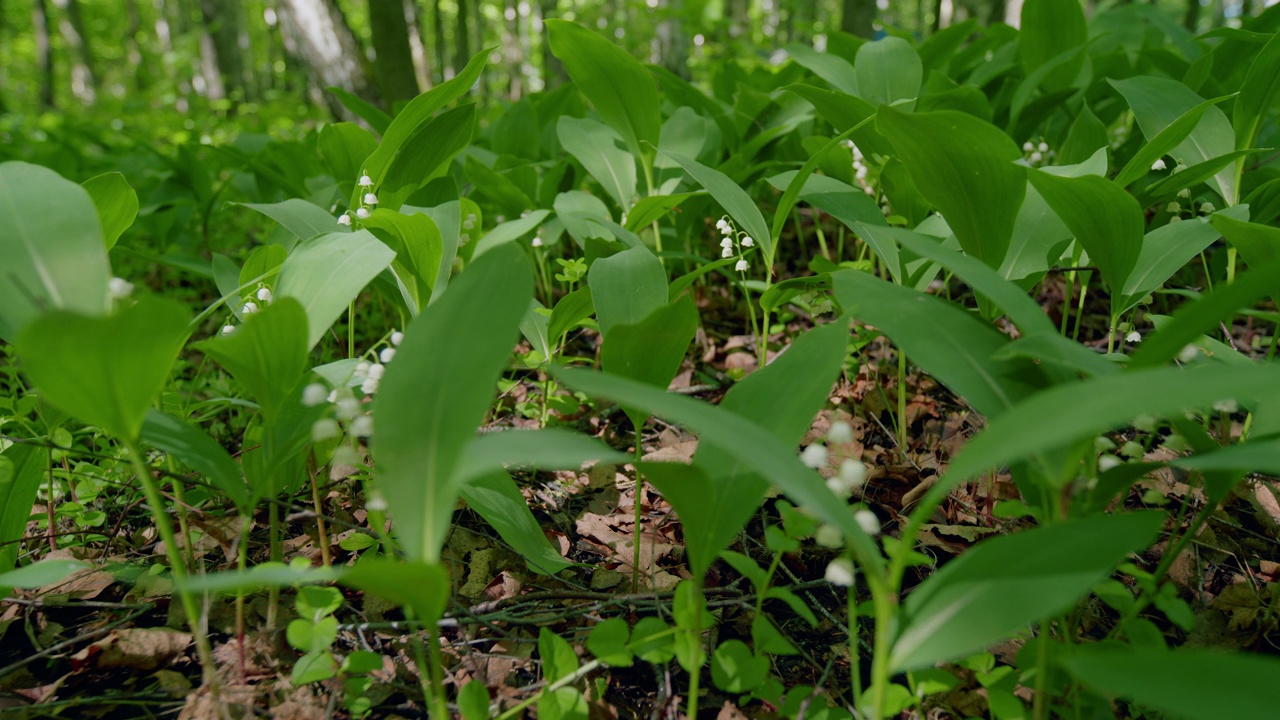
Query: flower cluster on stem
368,201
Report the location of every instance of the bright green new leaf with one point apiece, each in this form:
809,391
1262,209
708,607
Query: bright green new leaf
964,167
344,147
473,700
262,266
608,642
326,273
619,87
193,448
438,391
39,574
626,288
365,110
734,200
419,248
54,255
1004,584
105,371
1050,28
509,231
424,155
595,146
1086,136
735,669
1196,684
649,210
571,310
495,497
305,220
558,658
267,354
116,202
1105,219
888,70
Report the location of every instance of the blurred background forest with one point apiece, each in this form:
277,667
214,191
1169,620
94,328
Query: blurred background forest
161,63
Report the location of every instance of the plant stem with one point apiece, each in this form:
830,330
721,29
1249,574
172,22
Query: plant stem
638,517
1039,706
176,564
563,682
855,650
902,402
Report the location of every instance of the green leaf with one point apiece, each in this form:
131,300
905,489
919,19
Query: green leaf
619,87
1186,683
595,146
834,69
1257,244
424,155
54,255
735,669
651,209
545,449
734,200
608,642
567,703
964,167
438,391
1259,94
650,350
263,575
116,203
39,574
266,355
887,70
1164,142
1086,136
421,587
1157,102
1050,28
473,701
105,371
327,272
509,231
947,341
262,266
572,309
497,187
193,448
363,109
344,147
1105,219
1006,583
418,245
495,497
845,111
23,469
627,287
651,641
1165,251
558,658
305,220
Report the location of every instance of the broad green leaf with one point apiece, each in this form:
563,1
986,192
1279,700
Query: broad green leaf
263,575
835,70
1258,95
1196,684
509,231
1258,244
627,287
438,391
558,658
649,210
116,202
1164,142
844,111
619,87
1168,187
1086,136
595,146
950,343
344,147
421,587
423,155
734,200
327,272
1204,315
756,447
888,70
1157,102
266,355
566,703
964,167
735,669
1050,28
1105,219
652,349
1004,584
495,497
781,293
419,248
608,642
545,449
193,448
23,469
305,220
1165,251
797,184
262,266
363,109
1255,456
105,371
39,574
226,275
473,700
1034,91
54,256
586,216
496,187
844,202
571,310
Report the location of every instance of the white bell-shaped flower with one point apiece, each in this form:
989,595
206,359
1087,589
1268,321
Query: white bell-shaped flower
366,181
314,394
840,572
741,266
814,456
344,219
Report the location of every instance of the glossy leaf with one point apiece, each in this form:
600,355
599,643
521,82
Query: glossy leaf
1049,29
888,70
424,155
627,287
1004,584
1165,251
594,145
964,167
735,201
105,371
1257,244
116,202
54,255
422,587
305,220
418,245
1259,94
438,390
1164,142
326,273
23,469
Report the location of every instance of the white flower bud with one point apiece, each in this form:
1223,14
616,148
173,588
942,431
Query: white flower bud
363,426
369,386
376,370
747,241
741,266
1188,353
366,181
1184,193
726,230
345,455
325,429
1158,165
1043,147
370,199
228,329
264,295
840,572
397,337
828,536
853,474
1173,207
726,253
536,241
1207,208
868,521
1133,337
376,503
1227,406
1028,147
363,213
362,369
387,354
344,219
1035,157
314,394
1175,218
814,456
840,432
119,288
249,308
347,408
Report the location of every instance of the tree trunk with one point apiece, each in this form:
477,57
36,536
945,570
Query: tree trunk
671,40
323,42
417,45
553,72
462,36
393,58
1191,18
511,55
857,16
84,80
228,43
441,47
44,54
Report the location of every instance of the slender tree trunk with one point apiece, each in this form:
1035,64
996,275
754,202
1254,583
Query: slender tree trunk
441,45
857,17
417,45
511,55
553,72
44,54
393,61
84,79
462,36
671,40
324,44
228,42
